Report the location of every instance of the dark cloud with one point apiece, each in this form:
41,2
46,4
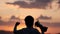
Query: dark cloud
6,23
13,19
59,3
44,17
53,24
1,21
42,4
0,17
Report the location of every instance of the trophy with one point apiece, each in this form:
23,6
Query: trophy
43,28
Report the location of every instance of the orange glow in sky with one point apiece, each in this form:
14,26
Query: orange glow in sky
6,11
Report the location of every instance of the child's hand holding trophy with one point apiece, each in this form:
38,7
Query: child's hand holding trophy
43,28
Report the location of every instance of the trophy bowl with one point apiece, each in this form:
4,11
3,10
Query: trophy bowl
44,28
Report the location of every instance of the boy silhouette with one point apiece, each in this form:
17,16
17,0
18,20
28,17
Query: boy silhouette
29,21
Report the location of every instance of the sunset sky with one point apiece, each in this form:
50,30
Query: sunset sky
49,8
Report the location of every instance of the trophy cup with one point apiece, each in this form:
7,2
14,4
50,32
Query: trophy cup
43,28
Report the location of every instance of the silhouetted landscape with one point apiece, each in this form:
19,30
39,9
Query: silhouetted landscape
5,32
10,32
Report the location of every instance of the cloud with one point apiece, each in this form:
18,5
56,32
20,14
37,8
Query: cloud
1,21
13,19
0,17
44,17
41,4
55,24
59,3
6,23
